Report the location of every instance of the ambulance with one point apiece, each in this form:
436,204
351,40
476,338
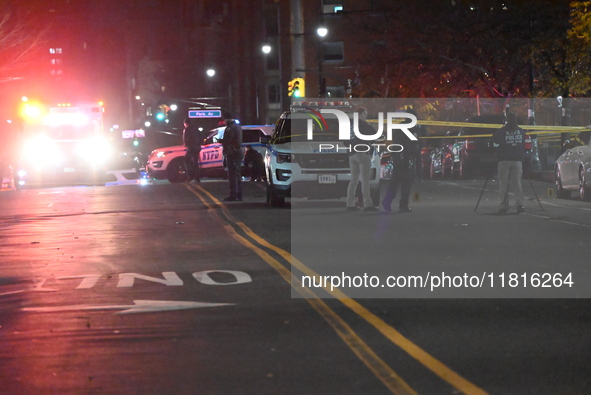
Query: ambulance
63,144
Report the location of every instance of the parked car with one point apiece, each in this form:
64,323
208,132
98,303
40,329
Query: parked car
428,145
572,170
423,171
441,158
168,163
385,166
477,154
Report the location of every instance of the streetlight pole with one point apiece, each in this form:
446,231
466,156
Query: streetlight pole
322,32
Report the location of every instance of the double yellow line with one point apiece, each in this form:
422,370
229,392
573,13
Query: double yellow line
380,369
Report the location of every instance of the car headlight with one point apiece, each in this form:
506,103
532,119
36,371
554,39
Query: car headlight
95,150
284,158
40,151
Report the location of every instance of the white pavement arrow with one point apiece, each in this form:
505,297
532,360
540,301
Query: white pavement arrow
139,306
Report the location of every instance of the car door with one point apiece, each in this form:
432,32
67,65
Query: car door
253,137
580,155
573,157
211,151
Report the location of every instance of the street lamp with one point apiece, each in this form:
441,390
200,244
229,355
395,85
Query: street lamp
322,32
266,49
210,72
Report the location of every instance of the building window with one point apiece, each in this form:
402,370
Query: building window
274,93
332,6
334,52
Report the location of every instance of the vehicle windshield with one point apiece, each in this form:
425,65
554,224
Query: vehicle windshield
66,132
251,135
583,138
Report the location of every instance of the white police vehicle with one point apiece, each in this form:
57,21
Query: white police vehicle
168,163
316,168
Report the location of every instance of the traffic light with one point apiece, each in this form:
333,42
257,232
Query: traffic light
162,113
296,88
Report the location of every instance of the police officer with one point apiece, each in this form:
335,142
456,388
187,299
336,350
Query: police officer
232,147
403,171
510,142
192,140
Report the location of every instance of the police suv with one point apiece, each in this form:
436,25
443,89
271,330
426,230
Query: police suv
306,157
169,162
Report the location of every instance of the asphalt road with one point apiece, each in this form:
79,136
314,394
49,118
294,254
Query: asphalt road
163,289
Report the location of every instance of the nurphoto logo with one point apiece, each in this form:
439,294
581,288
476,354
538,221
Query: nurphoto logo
348,129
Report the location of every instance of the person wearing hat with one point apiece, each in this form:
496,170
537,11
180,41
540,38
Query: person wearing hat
232,148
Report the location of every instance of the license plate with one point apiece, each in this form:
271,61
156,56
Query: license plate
69,170
327,178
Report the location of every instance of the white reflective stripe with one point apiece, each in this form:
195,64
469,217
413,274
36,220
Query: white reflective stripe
204,278
170,279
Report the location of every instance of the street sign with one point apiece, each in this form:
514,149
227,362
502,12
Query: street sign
130,134
205,113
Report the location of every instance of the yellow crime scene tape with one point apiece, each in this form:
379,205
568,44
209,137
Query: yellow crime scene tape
535,129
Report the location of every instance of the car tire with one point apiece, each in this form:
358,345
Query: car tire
273,198
584,191
176,171
560,191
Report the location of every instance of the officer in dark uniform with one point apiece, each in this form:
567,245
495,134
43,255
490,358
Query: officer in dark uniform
192,140
403,171
232,145
510,142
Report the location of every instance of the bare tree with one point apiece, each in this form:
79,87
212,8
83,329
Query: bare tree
19,42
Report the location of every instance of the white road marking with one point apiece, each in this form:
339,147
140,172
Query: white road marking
139,306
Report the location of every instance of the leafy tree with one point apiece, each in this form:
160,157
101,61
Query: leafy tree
577,56
466,48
